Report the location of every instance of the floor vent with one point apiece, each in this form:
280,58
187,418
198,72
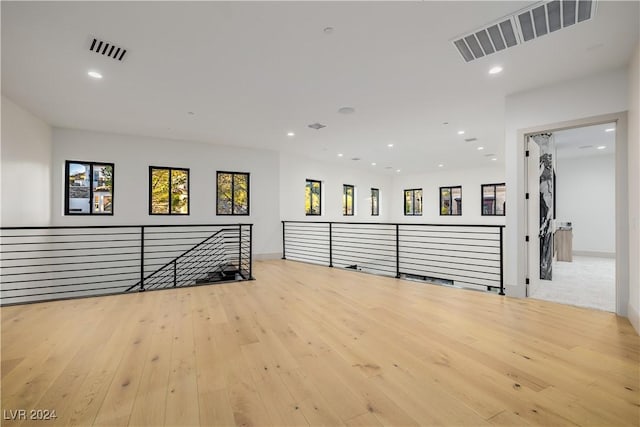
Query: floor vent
107,49
523,26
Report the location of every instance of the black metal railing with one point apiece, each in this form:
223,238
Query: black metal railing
44,263
459,255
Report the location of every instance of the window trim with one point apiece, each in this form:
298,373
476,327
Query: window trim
307,181
413,199
495,191
248,174
377,190
451,187
66,188
170,169
345,204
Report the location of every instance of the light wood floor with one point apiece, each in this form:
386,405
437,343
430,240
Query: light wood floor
311,345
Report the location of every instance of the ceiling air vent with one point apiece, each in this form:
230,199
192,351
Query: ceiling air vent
317,126
107,49
470,139
524,25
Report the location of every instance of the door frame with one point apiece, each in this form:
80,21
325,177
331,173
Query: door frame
621,197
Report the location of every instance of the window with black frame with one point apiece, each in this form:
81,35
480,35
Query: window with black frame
494,199
232,196
348,196
413,202
375,202
168,191
451,200
88,188
313,198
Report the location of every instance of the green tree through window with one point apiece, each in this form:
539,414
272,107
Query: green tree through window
313,198
232,197
168,191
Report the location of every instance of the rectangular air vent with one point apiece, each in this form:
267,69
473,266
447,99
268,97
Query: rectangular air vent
107,49
524,25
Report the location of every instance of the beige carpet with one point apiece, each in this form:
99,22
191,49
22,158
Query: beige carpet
585,282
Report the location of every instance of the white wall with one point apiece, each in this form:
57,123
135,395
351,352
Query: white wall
585,196
469,179
634,189
132,156
26,170
294,171
600,94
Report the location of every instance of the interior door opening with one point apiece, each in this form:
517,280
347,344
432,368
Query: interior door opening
571,216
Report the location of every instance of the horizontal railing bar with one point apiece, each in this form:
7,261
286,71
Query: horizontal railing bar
67,242
68,284
69,256
3,236
396,223
451,262
453,250
66,278
453,269
67,227
453,275
70,249
66,271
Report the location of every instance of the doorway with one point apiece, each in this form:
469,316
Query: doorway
571,209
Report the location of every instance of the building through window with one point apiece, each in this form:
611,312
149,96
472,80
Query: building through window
494,199
88,188
451,200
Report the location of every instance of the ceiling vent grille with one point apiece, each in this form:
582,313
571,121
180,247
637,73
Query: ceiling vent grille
523,26
317,126
107,49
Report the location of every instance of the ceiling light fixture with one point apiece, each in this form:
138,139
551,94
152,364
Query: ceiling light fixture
291,134
610,129
398,170
95,74
460,132
601,147
346,110
440,165
495,70
493,159
373,163
480,148
328,30
340,154
191,113
390,145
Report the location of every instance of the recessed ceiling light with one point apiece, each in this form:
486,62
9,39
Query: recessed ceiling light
398,170
610,129
346,110
328,30
460,132
191,113
583,147
445,123
291,134
601,147
340,154
388,167
480,148
390,145
355,159
440,165
373,163
493,159
495,70
95,74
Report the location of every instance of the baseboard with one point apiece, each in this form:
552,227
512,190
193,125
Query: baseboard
634,317
595,254
263,257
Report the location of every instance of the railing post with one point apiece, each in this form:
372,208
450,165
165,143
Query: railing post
142,258
330,244
284,254
250,251
240,249
175,273
501,266
397,251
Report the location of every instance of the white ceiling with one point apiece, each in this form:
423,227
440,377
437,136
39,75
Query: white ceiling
584,141
253,71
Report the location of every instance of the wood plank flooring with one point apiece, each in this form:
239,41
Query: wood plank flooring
310,345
